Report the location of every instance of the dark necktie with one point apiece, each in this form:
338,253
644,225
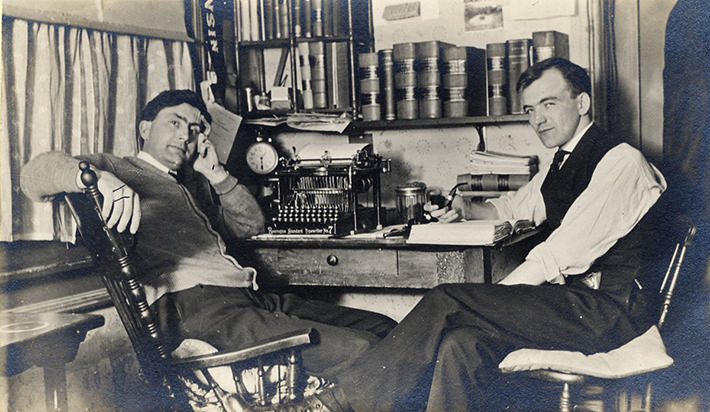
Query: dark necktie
558,159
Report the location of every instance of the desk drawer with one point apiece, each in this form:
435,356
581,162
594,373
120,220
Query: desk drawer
329,267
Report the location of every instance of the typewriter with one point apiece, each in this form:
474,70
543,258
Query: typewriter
328,190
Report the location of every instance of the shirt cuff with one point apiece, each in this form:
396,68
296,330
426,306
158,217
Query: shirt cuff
543,257
500,206
225,185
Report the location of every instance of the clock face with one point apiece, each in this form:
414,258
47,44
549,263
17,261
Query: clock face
262,158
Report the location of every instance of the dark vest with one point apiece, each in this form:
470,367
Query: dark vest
621,263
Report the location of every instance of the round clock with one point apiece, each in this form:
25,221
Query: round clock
262,158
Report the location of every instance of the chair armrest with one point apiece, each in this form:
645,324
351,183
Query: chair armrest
278,343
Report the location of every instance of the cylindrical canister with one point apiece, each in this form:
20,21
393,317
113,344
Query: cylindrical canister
248,99
411,198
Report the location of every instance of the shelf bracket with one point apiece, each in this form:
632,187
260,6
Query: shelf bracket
481,141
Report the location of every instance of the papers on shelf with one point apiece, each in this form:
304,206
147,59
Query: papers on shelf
266,121
319,122
502,163
467,233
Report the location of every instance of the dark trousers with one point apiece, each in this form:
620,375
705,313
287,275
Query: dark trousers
444,355
232,318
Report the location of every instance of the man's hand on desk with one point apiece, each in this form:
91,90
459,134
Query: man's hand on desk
462,208
121,203
446,214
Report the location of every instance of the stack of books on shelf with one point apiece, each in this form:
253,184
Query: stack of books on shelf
423,80
492,174
323,73
506,61
311,18
428,63
405,81
369,86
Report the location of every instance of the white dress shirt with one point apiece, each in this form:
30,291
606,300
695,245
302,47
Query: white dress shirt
622,189
153,162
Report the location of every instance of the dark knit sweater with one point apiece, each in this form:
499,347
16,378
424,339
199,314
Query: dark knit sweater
177,246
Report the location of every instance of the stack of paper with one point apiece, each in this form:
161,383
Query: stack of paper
501,163
319,122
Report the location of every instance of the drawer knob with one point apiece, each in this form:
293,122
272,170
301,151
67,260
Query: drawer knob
332,260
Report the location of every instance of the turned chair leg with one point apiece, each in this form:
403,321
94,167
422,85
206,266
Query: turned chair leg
647,398
565,401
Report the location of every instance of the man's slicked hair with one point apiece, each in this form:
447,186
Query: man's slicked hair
576,76
171,98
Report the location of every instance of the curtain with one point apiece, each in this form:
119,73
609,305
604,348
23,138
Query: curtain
78,91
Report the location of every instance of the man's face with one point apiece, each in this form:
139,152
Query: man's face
166,137
553,113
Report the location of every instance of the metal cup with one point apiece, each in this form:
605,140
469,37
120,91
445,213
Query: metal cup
411,198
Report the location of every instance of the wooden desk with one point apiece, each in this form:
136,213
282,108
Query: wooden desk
48,340
386,263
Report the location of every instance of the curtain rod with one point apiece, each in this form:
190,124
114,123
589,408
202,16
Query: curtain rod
67,19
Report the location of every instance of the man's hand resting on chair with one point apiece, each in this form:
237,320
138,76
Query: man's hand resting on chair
121,203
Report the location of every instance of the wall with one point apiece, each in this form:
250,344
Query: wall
640,35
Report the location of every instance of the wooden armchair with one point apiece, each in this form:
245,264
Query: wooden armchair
640,356
189,383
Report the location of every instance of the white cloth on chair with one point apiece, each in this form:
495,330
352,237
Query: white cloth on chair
644,353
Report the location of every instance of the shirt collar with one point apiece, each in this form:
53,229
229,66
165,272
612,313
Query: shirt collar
153,162
572,143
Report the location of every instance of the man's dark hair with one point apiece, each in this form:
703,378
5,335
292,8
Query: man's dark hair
575,75
171,98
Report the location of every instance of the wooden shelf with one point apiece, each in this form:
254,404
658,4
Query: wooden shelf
398,124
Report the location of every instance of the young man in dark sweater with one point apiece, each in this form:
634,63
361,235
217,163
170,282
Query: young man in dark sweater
196,289
572,291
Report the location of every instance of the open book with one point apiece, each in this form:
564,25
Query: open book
467,232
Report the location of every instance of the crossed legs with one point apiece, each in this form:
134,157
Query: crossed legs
444,354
